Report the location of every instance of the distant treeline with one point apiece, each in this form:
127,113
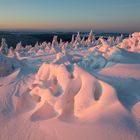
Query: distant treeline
12,38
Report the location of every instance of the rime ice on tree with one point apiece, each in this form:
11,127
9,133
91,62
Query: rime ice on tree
90,40
77,42
19,46
3,47
11,51
55,45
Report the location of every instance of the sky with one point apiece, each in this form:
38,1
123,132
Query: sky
70,15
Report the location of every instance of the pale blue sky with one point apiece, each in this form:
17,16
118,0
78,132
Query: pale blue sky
100,15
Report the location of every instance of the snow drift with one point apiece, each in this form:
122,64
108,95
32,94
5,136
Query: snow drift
86,89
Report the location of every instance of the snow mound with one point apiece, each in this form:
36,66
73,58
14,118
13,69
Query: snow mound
71,95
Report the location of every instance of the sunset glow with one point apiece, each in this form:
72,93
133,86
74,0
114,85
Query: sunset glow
81,15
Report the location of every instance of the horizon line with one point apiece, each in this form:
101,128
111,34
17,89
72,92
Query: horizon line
65,30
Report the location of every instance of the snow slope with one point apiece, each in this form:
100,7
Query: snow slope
85,90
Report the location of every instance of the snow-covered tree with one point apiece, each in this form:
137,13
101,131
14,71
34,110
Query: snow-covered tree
19,47
73,39
11,51
4,47
90,37
118,39
78,38
77,42
55,44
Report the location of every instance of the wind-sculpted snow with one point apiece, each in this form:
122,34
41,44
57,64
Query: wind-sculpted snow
84,89
71,94
78,97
